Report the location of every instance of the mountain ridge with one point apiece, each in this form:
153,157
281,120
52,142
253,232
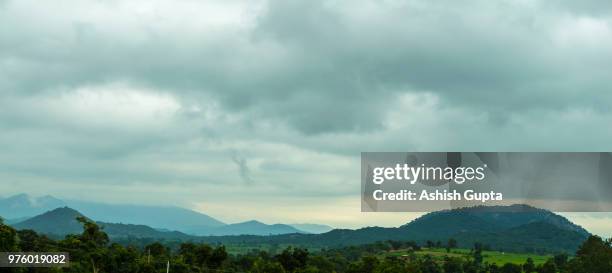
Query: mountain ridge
63,221
15,209
509,228
466,225
251,227
164,217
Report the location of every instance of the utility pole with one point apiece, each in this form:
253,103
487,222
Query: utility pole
168,267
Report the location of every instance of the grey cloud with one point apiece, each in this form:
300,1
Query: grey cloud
329,66
315,80
243,168
587,7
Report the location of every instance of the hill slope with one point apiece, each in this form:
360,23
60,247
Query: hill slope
22,206
515,228
512,228
62,221
313,228
172,218
493,218
252,228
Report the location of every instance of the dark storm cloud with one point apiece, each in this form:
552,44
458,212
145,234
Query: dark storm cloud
485,54
331,66
128,92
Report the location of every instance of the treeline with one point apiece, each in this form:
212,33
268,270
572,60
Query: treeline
92,251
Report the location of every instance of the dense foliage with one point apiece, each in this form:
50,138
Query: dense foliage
91,251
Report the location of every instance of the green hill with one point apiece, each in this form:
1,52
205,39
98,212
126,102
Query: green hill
62,221
517,228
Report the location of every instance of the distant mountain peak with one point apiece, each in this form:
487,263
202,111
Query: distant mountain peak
251,222
61,220
510,208
19,196
65,210
19,199
251,227
490,218
22,206
312,228
61,213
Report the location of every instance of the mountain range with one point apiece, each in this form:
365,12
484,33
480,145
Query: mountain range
20,207
516,228
62,221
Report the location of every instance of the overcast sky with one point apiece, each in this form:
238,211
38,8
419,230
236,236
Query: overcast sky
259,109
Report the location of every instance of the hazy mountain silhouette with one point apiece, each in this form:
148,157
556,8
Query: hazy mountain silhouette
313,228
252,227
517,228
62,221
508,228
22,205
172,218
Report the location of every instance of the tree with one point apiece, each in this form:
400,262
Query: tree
452,243
395,244
429,244
156,250
452,264
428,265
367,264
529,266
510,268
549,267
92,245
218,256
322,263
593,256
92,233
263,266
30,241
122,259
202,255
493,268
477,253
179,266
560,260
8,237
89,247
293,258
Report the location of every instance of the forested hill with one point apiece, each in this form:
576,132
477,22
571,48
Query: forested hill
509,228
515,228
63,221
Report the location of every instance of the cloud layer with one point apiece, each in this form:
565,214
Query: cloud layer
193,102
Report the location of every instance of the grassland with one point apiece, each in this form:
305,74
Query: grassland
496,257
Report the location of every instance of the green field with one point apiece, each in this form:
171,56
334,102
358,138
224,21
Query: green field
496,257
236,249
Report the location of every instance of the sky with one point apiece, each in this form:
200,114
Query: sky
260,109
